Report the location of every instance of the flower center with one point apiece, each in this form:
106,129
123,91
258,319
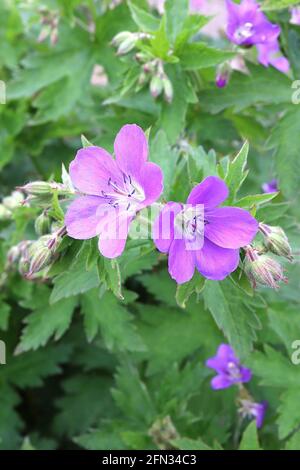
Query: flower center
129,193
234,370
245,31
189,224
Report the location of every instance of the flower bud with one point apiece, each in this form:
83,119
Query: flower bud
262,269
5,214
168,89
223,74
13,255
163,432
40,188
276,241
43,201
127,45
14,200
142,79
121,37
42,224
156,86
40,255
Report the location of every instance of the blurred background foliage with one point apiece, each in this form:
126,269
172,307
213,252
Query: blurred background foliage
84,367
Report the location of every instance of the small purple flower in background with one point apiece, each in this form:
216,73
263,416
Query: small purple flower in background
217,233
112,191
248,26
270,186
251,409
228,368
295,16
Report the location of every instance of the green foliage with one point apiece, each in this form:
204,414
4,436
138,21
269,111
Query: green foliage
100,354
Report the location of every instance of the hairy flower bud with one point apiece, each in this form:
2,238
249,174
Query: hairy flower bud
262,269
5,214
127,45
40,255
14,200
156,86
40,188
121,37
168,89
276,241
42,224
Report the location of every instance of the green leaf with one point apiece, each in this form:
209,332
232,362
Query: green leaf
278,4
113,319
285,136
77,279
289,413
162,154
4,315
184,443
145,21
237,173
196,56
45,322
232,314
250,439
184,291
191,26
261,86
176,13
248,202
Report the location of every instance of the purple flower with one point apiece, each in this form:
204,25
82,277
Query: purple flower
254,410
270,186
111,190
295,15
247,24
198,234
270,54
228,368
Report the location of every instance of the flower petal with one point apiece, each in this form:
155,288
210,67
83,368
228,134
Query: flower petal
163,227
230,227
151,180
181,262
91,169
113,236
220,381
216,263
211,192
131,149
81,218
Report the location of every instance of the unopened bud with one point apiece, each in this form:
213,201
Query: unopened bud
14,200
40,255
127,45
42,224
43,201
142,79
156,86
40,188
168,89
276,241
223,74
121,37
5,214
262,269
141,57
163,432
13,255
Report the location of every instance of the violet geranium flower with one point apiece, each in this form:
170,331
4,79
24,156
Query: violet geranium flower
228,368
295,16
208,239
249,26
112,191
254,410
270,186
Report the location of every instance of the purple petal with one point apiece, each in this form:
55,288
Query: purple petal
91,169
230,227
270,54
260,411
246,374
113,236
82,219
181,262
211,192
131,149
163,227
216,263
151,180
220,381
